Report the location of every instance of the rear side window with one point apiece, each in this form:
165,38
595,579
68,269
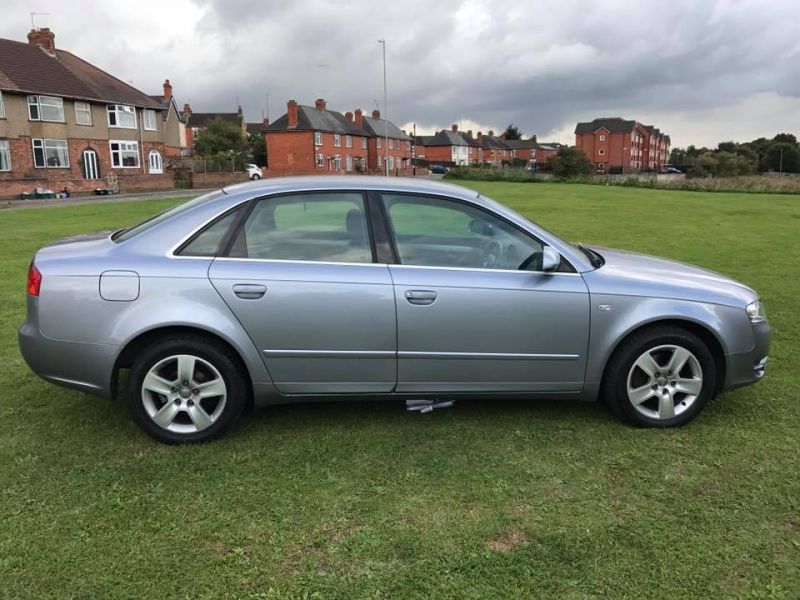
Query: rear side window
209,240
325,227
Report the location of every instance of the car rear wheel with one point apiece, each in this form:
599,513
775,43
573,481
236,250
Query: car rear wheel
660,377
255,176
185,389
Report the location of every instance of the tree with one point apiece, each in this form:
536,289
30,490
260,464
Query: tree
512,133
571,162
782,157
679,158
726,147
258,148
220,137
785,138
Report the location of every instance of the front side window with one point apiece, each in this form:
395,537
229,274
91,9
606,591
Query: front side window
337,139
45,108
436,232
83,113
121,115
318,138
363,143
320,160
149,118
49,154
379,141
5,156
391,144
154,162
348,141
319,227
349,163
124,154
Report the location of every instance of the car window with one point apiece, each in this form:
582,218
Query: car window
330,227
207,242
129,232
437,232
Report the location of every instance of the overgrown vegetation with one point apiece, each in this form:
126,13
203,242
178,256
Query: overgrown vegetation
781,154
490,499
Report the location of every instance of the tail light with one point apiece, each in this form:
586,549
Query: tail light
34,280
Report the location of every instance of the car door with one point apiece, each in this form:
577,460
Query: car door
300,276
468,319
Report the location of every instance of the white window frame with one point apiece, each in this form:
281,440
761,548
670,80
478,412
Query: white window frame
48,102
318,138
363,143
149,119
348,141
379,142
337,162
42,143
337,140
602,137
321,160
83,108
391,144
117,110
119,151
602,151
5,151
159,163
2,107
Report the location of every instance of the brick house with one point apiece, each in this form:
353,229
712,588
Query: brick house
174,125
449,148
615,143
398,154
196,122
494,150
66,123
524,150
315,140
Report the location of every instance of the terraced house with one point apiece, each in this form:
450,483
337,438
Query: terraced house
66,123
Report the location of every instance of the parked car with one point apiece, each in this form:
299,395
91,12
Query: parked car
438,169
254,171
671,171
342,287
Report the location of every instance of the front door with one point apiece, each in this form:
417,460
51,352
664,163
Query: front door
90,170
468,319
301,279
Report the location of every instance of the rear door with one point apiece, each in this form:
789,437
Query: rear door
301,278
468,319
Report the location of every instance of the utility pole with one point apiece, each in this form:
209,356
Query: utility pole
780,164
414,151
386,114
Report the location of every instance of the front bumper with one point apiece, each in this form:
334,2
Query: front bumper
749,367
75,365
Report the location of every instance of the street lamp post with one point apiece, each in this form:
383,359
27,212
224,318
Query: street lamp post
385,115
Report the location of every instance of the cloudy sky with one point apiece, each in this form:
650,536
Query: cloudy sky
703,71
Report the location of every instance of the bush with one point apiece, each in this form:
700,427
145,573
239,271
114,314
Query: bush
571,162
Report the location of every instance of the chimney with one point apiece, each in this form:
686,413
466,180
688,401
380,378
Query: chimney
480,139
319,104
187,109
359,118
349,116
44,38
167,90
469,132
376,114
265,122
454,127
291,113
491,133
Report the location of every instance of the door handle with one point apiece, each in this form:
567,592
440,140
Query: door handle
421,297
249,291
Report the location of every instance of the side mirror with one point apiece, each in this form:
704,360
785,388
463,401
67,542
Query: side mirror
550,259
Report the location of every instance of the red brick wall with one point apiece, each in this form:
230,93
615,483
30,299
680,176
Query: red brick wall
437,154
400,151
215,180
616,147
294,153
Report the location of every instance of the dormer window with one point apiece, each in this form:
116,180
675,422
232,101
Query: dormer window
122,116
46,108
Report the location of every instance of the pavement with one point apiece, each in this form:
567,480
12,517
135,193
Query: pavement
76,200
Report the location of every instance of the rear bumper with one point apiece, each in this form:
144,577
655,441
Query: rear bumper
75,365
749,367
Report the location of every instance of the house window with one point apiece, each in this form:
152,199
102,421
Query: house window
391,163
124,155
391,144
50,154
2,107
149,118
45,108
348,141
154,162
337,140
320,160
5,156
601,151
337,163
379,142
602,138
120,115
318,138
83,113
363,143
408,145
349,163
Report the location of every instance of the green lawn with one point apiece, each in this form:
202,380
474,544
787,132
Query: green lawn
489,499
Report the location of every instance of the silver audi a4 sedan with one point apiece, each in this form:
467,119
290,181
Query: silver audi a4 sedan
302,289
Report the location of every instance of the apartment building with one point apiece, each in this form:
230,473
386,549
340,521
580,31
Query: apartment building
616,143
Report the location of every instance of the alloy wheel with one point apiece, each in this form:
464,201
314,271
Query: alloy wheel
664,382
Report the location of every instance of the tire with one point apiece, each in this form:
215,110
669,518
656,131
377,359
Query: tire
174,413
255,176
665,397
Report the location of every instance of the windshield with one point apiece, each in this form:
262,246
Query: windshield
129,232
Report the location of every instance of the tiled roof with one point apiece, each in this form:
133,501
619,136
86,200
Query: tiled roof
611,124
492,141
310,118
446,137
521,144
376,127
27,68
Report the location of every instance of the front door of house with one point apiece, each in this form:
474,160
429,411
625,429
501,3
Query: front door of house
90,170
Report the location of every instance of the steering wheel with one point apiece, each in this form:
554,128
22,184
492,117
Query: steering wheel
534,261
492,255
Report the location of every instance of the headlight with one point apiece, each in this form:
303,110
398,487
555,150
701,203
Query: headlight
756,312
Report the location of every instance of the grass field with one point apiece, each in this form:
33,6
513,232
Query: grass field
487,500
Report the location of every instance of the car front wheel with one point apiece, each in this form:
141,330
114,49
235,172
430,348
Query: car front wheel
255,176
660,377
185,389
